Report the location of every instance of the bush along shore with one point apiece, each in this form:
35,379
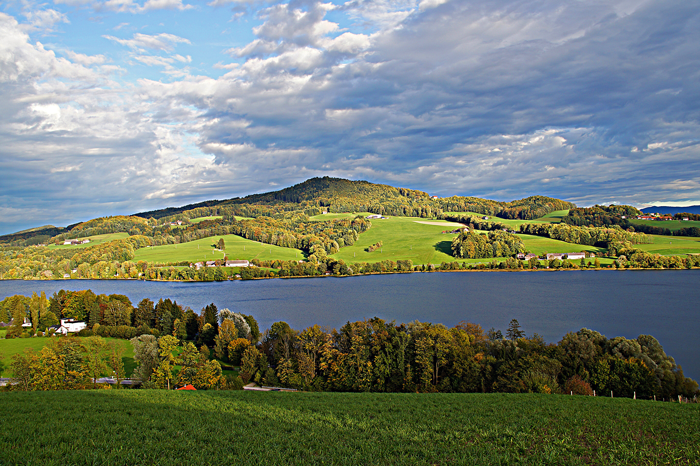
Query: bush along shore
219,349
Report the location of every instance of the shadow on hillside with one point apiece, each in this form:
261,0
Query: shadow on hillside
444,246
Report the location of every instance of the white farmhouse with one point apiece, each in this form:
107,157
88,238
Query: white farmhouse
70,326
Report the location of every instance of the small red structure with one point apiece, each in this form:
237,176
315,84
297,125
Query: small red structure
187,387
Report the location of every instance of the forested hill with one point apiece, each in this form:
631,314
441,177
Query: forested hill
693,209
296,203
341,195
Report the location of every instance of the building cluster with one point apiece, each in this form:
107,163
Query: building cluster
658,217
73,242
559,256
233,263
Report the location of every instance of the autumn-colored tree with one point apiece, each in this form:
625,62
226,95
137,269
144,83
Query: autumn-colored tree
95,364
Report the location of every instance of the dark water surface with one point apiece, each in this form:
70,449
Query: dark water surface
665,304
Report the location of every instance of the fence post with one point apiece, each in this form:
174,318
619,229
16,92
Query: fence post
611,395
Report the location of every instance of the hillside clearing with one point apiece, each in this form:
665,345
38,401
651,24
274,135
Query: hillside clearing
237,248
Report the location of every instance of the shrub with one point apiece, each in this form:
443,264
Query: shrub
578,386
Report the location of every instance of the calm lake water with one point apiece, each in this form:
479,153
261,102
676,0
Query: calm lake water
664,304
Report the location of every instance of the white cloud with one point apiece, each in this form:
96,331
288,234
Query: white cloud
163,41
86,60
165,4
43,20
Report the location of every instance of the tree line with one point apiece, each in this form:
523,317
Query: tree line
498,243
604,216
369,355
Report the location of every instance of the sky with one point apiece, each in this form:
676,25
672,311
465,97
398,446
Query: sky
112,107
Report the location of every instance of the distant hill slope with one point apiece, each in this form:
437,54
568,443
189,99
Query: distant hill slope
38,234
311,197
672,210
341,195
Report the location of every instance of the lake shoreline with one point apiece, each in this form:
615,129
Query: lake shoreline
406,272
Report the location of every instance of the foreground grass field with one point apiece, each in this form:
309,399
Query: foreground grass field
203,249
168,427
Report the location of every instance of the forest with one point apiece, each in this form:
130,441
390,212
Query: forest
175,346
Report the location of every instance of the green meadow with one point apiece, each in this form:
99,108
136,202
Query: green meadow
672,245
8,348
412,238
552,217
251,428
96,239
237,248
403,238
539,245
672,225
201,219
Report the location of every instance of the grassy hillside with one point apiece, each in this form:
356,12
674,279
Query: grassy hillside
168,427
673,225
201,250
671,245
413,238
96,239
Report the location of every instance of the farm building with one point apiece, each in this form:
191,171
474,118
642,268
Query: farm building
237,263
69,326
567,255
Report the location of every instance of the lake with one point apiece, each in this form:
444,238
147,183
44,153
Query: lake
664,303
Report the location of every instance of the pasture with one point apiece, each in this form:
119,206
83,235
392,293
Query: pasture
552,217
671,245
205,250
201,219
403,238
540,245
673,225
247,428
413,238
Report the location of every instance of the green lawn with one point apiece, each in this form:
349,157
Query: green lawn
248,428
203,249
18,345
97,239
